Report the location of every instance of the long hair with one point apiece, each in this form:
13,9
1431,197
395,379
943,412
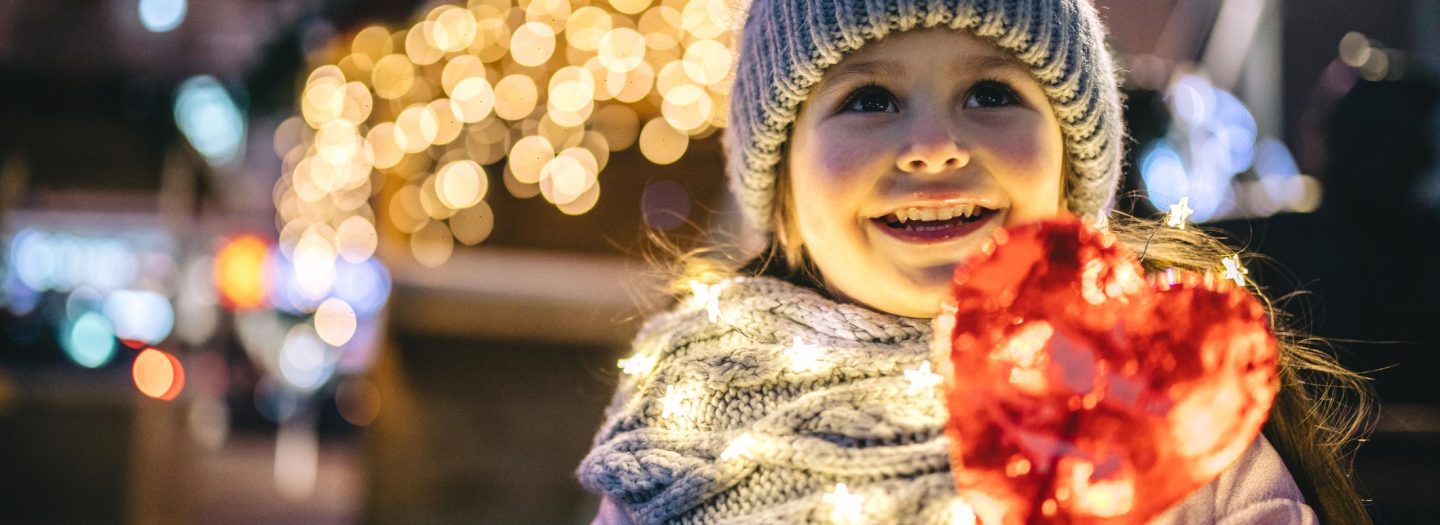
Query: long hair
1320,414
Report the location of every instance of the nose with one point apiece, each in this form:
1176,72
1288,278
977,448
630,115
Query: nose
931,149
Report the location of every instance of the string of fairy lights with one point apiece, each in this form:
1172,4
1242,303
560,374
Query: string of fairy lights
679,405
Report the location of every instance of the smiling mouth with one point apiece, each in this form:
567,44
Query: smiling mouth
930,225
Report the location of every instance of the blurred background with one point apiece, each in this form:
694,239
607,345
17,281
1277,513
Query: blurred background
324,261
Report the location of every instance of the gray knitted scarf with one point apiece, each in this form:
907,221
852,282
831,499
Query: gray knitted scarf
754,406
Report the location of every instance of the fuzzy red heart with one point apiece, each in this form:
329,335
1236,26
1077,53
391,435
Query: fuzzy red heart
1080,391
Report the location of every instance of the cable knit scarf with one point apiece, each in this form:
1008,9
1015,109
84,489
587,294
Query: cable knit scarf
758,401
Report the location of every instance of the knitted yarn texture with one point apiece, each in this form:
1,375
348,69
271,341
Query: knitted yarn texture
756,416
787,45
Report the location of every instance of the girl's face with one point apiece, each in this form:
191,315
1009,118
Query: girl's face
908,154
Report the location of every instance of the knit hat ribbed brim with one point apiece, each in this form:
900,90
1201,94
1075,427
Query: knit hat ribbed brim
787,45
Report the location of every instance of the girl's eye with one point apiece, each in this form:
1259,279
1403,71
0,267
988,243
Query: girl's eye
870,99
991,94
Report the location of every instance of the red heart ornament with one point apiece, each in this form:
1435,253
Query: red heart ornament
1081,391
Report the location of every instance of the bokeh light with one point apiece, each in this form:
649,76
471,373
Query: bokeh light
210,120
89,340
160,16
358,400
140,315
335,322
158,374
240,272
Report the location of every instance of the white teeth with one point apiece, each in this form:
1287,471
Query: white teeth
943,213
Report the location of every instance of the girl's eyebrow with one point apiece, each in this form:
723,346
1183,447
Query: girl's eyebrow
984,64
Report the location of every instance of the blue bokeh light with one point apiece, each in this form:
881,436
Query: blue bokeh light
210,120
89,341
160,16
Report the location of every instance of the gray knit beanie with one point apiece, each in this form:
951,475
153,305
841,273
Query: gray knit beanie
787,45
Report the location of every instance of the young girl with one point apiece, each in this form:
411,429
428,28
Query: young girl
877,143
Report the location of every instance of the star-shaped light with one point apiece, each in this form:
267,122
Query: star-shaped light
805,357
922,379
674,405
844,506
637,365
1179,213
739,448
1233,270
961,513
709,295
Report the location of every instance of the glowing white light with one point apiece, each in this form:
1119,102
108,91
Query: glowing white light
708,295
306,362
637,365
678,404
160,16
140,315
1179,213
922,379
739,448
33,259
1233,270
210,120
1164,174
335,321
805,357
961,513
844,506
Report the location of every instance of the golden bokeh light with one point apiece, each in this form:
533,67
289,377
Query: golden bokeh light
447,123
517,188
458,69
552,13
385,153
461,184
419,46
687,107
661,27
532,44
662,144
322,101
515,97
584,203
559,134
406,213
585,27
707,61
621,49
357,239
630,7
528,156
619,125
430,200
563,179
393,76
488,141
372,42
598,147
630,86
432,244
454,28
473,225
473,100
424,109
571,89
